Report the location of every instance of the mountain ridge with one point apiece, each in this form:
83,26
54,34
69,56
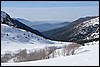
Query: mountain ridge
67,33
15,23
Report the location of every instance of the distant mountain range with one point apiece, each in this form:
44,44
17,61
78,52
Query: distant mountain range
81,29
48,26
43,25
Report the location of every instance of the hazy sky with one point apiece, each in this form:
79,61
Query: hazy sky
50,10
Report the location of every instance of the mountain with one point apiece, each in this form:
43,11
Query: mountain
43,25
26,22
5,19
81,29
29,23
49,26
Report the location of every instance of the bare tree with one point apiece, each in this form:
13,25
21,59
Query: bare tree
58,52
70,49
21,56
64,51
6,57
37,55
50,50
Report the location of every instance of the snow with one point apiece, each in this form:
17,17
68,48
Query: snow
91,22
3,15
95,34
87,56
88,23
82,28
13,43
93,43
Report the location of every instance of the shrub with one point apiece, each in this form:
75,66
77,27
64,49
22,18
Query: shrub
6,57
50,50
37,55
21,56
70,49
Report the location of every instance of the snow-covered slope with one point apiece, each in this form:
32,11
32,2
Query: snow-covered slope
3,15
15,38
80,29
86,56
11,37
5,18
91,26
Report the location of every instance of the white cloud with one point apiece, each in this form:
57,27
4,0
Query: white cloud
53,13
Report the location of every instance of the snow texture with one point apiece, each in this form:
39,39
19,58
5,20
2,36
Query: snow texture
13,39
87,56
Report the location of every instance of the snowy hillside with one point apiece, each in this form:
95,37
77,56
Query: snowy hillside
13,40
80,29
12,37
3,15
86,56
93,24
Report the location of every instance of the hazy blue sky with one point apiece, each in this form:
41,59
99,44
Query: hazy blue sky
50,10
